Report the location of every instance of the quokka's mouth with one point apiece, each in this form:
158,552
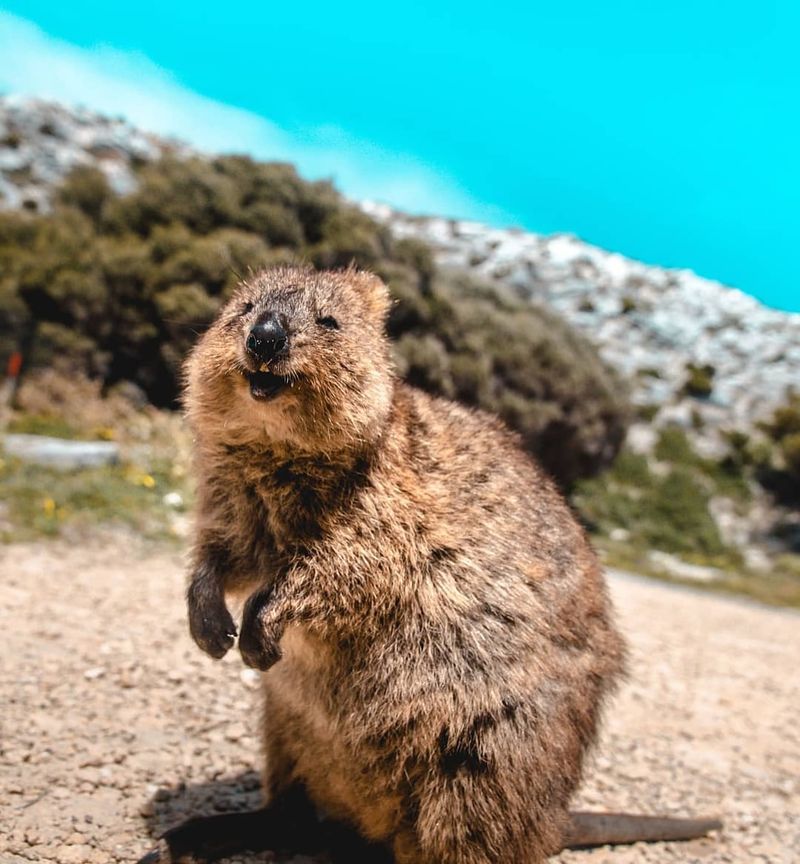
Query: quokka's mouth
266,385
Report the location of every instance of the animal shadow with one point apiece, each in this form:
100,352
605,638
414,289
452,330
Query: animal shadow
331,843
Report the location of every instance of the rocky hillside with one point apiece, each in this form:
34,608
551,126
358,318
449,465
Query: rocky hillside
41,142
699,353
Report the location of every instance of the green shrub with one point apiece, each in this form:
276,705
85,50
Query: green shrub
632,469
673,446
348,236
724,477
778,465
489,348
649,372
120,287
648,412
87,190
278,225
186,306
785,420
667,512
699,380
790,449
679,519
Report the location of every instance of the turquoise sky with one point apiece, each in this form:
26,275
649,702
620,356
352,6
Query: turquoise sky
669,132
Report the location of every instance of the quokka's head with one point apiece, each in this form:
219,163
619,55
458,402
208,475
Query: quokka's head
296,357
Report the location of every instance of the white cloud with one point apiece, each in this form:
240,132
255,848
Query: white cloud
129,84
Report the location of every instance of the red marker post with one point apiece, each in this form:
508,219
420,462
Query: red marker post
9,386
14,365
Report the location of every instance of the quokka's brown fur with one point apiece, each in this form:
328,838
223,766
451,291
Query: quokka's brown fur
435,624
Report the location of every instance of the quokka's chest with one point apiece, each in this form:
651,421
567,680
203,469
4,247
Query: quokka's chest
283,517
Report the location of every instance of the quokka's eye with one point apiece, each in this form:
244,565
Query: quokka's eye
248,307
329,322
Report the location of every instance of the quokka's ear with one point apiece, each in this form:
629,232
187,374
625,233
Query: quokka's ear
373,290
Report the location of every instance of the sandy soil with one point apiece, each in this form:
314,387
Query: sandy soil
115,727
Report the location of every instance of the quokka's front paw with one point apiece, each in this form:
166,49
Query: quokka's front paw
211,625
258,641
260,648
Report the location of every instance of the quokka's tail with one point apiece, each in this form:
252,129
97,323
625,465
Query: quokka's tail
610,829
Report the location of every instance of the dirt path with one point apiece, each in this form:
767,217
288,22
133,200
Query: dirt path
114,726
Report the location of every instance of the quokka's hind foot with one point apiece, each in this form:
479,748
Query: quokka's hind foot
288,823
209,838
291,825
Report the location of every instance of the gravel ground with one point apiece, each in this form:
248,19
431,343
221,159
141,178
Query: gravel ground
114,726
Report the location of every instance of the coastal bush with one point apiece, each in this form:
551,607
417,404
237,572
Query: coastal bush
119,287
486,347
668,512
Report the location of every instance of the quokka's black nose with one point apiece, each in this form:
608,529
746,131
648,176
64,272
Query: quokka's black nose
268,339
